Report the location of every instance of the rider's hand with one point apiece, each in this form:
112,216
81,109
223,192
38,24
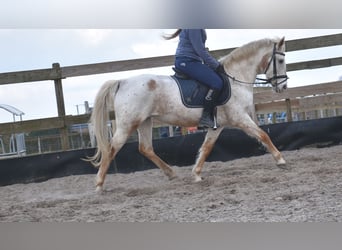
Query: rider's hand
220,69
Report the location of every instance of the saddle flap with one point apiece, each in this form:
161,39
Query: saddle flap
193,92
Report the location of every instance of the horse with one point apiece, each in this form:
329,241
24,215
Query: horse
137,100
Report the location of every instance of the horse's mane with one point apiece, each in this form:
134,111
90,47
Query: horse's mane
247,50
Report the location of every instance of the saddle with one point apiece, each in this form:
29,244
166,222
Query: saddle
193,92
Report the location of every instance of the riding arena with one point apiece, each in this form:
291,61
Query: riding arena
275,158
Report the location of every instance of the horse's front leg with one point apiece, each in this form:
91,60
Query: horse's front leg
204,151
253,130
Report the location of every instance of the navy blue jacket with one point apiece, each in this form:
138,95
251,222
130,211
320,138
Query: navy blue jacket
192,44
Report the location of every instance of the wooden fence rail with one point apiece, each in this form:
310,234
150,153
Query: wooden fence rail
325,96
265,101
153,62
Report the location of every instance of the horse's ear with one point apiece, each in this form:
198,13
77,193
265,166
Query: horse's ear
281,42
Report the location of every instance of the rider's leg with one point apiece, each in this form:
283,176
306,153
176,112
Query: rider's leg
207,119
204,74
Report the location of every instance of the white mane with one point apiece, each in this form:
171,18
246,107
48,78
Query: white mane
247,50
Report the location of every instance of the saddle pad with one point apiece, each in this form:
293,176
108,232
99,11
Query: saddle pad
193,92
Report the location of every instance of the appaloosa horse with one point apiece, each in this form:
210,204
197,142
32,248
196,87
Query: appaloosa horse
138,100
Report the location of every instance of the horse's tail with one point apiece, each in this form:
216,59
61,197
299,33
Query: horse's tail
104,102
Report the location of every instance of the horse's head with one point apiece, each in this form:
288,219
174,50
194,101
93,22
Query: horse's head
276,68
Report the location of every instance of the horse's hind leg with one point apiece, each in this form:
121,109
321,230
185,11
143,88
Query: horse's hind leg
204,152
118,140
103,168
146,148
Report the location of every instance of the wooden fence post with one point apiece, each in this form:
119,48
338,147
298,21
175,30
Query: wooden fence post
59,91
288,110
61,106
274,117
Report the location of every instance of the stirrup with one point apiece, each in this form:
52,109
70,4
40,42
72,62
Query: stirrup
215,119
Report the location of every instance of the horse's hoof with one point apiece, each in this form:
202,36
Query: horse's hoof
99,190
281,162
198,178
173,177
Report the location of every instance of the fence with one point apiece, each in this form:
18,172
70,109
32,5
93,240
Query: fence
297,103
301,103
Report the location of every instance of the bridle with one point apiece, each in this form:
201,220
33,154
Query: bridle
275,75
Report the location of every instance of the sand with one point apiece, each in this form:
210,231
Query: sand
251,189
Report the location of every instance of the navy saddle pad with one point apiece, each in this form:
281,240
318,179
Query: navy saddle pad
193,92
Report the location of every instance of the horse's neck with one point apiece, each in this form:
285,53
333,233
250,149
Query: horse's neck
247,68
243,73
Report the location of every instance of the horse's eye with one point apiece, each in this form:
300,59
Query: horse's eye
281,61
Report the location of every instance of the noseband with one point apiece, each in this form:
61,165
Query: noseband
275,75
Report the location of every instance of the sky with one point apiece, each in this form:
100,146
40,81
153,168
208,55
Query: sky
29,49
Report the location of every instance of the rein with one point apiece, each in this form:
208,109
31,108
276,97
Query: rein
275,75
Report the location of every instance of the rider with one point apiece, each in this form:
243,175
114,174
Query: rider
193,59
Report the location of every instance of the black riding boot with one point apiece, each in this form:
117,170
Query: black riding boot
207,119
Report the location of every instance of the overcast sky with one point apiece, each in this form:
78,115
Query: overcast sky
28,49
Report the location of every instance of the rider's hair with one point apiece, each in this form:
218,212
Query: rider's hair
174,35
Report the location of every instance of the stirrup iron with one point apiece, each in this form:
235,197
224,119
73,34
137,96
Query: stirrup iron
215,119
